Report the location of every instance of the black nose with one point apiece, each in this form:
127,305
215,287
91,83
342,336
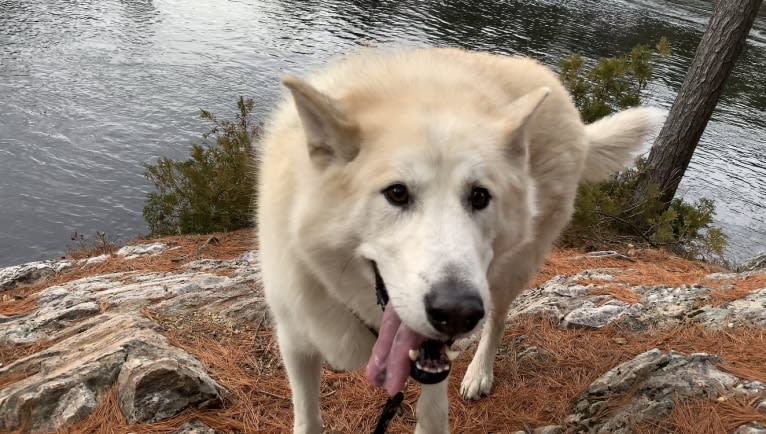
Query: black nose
453,312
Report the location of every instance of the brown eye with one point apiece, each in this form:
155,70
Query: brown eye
479,198
397,195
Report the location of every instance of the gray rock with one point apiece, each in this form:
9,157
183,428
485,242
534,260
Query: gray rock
761,405
757,262
654,379
751,428
95,260
30,273
750,309
607,254
153,388
568,302
124,292
750,388
65,380
549,429
74,406
590,315
194,427
137,250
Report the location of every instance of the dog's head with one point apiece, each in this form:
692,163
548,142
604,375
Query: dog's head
430,190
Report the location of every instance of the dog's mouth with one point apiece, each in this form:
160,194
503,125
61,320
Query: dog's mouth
400,352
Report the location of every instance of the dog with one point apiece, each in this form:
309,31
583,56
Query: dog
443,175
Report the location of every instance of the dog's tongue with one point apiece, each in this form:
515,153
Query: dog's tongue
389,364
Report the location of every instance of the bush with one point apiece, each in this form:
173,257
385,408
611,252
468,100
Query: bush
609,212
212,191
85,247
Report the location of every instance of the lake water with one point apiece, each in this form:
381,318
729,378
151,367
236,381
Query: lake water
91,89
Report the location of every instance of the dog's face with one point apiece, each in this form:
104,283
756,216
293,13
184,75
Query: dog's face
431,197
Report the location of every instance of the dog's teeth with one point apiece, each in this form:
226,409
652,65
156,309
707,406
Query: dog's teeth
419,366
414,354
452,355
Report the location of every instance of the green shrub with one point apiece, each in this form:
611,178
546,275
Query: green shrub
609,212
212,191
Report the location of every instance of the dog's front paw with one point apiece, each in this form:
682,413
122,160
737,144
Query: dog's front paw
477,381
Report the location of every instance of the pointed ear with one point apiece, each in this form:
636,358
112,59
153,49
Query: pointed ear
330,135
517,116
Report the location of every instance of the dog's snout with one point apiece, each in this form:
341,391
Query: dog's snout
454,311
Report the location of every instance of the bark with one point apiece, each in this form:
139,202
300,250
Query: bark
721,45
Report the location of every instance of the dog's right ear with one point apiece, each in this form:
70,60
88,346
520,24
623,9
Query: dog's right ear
330,135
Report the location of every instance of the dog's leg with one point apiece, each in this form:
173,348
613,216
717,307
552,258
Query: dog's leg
304,370
479,376
432,409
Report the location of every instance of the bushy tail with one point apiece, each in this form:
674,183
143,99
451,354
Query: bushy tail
614,141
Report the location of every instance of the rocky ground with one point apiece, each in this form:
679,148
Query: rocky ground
172,336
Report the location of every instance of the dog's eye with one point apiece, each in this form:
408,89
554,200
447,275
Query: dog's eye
479,198
397,194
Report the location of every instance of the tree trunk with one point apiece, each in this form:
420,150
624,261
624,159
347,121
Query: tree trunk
721,45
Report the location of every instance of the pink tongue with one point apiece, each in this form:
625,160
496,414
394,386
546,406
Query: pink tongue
389,364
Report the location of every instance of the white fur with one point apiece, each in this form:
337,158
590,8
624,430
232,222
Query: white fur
612,140
439,121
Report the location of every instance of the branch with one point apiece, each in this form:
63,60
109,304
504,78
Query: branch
631,226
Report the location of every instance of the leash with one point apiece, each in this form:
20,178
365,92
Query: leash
394,403
389,411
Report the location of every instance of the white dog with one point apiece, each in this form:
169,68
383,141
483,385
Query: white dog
444,174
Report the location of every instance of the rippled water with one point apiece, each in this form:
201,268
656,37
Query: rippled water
91,89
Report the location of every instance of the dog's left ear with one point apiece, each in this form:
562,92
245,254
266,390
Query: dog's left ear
517,116
330,135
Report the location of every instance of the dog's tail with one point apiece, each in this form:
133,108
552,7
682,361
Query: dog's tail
615,140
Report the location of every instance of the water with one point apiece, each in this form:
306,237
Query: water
92,89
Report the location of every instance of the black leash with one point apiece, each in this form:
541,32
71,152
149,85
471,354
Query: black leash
394,403
389,411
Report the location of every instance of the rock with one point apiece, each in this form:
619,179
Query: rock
606,254
568,302
751,428
550,429
102,342
651,382
757,262
95,260
137,250
153,388
75,405
194,427
750,309
122,292
66,380
761,405
30,273
589,315
750,388
532,353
